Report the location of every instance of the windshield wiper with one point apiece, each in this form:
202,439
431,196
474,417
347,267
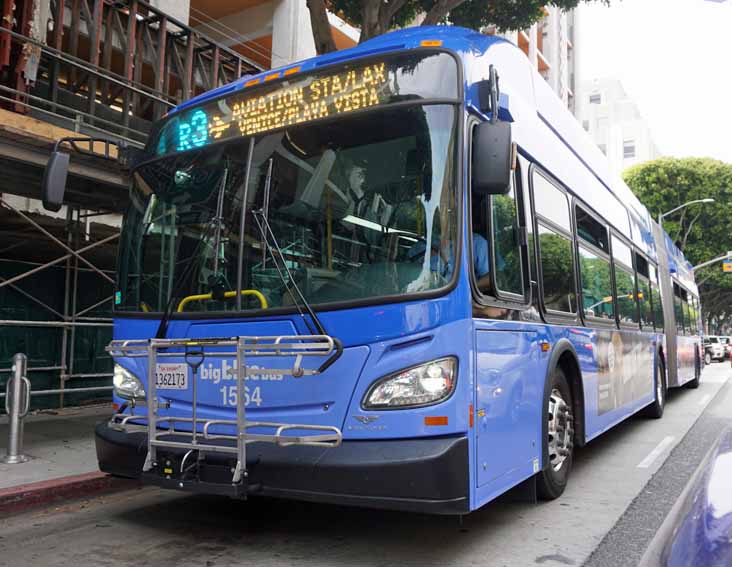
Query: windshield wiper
278,259
298,299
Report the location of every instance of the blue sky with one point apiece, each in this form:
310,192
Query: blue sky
674,58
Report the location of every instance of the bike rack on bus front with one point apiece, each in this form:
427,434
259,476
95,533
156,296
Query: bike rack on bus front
194,352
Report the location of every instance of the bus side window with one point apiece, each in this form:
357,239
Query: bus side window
658,320
624,282
555,245
644,292
597,287
595,271
687,316
693,315
678,310
506,258
557,268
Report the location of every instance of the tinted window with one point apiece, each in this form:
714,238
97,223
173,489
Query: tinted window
656,298
658,319
625,287
622,253
557,266
550,202
641,266
692,319
597,290
504,225
644,291
591,231
645,302
678,310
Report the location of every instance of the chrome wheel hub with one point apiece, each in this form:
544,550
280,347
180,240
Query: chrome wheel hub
561,430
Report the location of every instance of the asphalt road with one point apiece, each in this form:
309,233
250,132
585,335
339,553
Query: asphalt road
619,493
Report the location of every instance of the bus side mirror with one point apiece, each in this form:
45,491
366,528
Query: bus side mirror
492,158
53,186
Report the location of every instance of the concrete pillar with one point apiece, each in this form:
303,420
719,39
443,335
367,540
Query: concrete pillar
292,36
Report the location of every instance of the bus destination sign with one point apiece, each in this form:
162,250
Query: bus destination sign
290,104
312,96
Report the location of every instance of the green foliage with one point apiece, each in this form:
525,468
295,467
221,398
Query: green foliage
702,231
504,14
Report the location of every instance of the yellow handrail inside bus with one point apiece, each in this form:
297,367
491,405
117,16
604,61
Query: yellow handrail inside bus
202,297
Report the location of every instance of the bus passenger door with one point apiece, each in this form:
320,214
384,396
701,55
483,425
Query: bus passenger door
510,383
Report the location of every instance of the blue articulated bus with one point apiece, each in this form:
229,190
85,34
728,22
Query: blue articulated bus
395,276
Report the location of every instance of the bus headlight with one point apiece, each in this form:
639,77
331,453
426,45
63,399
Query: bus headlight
422,385
126,384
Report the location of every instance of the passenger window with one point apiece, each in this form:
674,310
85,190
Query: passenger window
550,202
644,292
678,310
687,315
591,231
624,282
627,312
658,319
505,228
557,268
597,289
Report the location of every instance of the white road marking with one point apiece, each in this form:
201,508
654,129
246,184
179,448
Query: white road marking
657,452
705,399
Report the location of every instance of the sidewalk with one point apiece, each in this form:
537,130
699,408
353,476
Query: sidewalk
63,460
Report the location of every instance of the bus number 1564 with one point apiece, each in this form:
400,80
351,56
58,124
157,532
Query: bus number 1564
230,396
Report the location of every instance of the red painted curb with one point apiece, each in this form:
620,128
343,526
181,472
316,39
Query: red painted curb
26,496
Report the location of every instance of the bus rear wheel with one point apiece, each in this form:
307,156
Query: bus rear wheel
552,481
655,410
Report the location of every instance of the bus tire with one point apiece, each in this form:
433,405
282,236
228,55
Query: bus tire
655,410
559,440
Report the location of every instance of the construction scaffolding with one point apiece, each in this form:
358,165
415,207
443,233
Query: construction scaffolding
56,288
96,67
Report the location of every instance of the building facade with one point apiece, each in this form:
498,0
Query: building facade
549,45
615,123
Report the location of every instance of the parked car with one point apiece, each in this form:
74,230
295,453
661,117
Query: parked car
726,341
698,530
714,349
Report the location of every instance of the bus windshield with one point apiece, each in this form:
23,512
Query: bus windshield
362,207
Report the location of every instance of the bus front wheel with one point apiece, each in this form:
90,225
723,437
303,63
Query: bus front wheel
552,481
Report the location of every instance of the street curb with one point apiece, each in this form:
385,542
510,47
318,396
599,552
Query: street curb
26,496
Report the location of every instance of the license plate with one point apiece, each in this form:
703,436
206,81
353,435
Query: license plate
171,376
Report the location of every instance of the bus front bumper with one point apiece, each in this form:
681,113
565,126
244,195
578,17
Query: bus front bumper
427,475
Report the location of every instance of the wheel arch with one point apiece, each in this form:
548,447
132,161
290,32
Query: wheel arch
564,356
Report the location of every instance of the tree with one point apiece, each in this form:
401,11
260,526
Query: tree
376,17
702,230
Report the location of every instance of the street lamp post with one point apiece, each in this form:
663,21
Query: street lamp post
661,215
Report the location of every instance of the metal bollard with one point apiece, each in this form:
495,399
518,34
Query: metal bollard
17,404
